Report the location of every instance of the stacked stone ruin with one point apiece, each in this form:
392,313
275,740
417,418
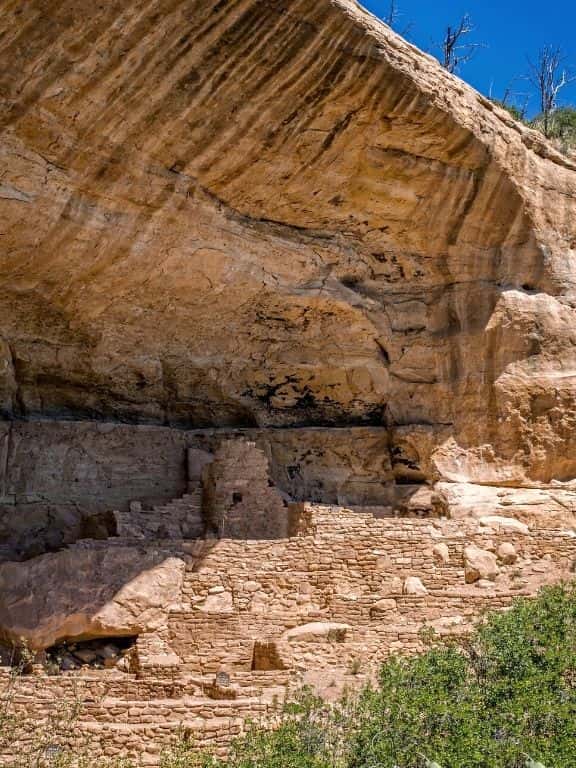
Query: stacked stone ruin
240,499
321,598
180,518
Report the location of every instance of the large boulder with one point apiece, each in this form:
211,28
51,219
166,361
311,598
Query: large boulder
515,508
479,564
318,632
414,587
507,553
81,594
441,553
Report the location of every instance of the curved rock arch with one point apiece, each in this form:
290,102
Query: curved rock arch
280,213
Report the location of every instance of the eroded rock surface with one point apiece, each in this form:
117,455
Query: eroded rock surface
280,213
82,594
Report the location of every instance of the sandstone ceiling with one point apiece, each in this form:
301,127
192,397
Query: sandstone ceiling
278,212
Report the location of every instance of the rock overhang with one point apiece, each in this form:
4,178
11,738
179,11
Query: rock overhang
277,214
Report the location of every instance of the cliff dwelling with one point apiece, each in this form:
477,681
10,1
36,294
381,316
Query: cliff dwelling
287,359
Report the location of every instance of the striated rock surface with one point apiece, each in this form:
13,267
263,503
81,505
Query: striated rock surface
280,213
553,506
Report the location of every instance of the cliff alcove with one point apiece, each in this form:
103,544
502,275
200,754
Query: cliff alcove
287,344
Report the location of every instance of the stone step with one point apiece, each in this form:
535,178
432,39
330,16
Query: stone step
167,511
178,504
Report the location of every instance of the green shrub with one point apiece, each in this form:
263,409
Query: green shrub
509,693
561,124
561,127
184,754
310,734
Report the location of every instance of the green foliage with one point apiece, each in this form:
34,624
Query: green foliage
507,698
504,699
184,754
309,734
561,126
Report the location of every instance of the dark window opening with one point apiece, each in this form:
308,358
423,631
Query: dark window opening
236,497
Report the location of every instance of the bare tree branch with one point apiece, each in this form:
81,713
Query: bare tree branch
393,14
516,101
456,51
549,76
393,17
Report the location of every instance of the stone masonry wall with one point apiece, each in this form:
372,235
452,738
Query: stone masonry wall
54,476
181,518
240,500
324,606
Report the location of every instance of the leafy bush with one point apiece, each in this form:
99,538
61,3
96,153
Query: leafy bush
183,754
562,127
508,694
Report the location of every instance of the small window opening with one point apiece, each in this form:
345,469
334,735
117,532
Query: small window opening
100,653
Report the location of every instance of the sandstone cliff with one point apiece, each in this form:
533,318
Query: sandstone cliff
280,213
256,254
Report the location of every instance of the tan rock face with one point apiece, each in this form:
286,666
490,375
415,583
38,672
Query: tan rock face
281,213
553,506
274,215
84,594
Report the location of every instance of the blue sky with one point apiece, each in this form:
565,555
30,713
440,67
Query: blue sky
511,30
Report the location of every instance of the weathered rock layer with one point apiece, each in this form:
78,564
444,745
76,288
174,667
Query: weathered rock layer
279,213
